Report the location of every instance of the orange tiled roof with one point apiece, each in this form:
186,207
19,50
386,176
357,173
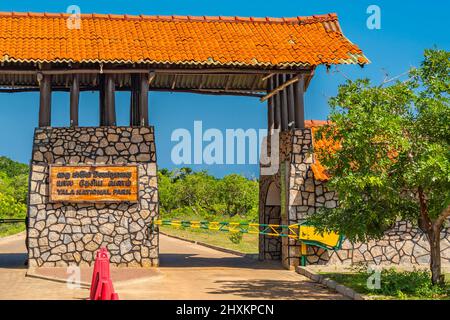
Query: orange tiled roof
234,41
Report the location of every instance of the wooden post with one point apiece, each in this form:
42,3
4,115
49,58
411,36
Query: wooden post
277,104
134,101
101,94
284,105
132,110
74,100
143,100
45,101
110,104
300,103
291,107
270,110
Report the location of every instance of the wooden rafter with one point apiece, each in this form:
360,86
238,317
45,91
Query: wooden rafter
281,87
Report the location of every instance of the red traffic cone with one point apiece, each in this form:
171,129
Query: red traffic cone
101,284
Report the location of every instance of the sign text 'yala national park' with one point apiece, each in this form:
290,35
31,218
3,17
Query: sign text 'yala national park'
93,184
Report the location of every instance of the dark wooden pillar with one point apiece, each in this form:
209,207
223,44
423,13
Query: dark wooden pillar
101,95
134,101
299,91
110,103
45,101
291,106
277,105
284,105
270,108
143,100
74,100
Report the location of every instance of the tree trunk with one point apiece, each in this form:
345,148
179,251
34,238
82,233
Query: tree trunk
434,237
433,230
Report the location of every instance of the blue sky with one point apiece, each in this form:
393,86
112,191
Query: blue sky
407,28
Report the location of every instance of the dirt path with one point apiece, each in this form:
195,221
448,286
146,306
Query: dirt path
188,271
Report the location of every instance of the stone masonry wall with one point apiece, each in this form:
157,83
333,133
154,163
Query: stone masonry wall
269,247
269,209
60,234
403,244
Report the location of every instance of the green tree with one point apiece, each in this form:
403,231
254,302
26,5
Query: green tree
188,193
183,188
238,194
394,156
13,188
10,208
168,195
198,190
12,168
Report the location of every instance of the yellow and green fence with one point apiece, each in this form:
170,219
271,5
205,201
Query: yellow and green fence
303,232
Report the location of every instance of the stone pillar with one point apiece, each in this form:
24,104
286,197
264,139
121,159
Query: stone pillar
274,196
61,234
270,213
306,194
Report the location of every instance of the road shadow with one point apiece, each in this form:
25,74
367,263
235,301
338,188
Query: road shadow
184,260
13,260
274,289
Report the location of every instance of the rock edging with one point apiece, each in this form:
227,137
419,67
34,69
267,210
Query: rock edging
331,284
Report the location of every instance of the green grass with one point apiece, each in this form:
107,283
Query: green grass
248,244
413,285
7,229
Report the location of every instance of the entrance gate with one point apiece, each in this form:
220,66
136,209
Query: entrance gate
272,59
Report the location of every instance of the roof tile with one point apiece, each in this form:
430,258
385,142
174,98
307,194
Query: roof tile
268,42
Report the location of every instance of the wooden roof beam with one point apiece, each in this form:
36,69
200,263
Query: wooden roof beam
281,87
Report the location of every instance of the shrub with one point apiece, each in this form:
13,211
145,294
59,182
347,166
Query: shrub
235,237
402,284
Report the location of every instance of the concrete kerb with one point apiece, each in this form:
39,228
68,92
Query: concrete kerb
12,237
31,274
331,284
211,246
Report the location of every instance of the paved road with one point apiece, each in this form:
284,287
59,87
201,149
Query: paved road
188,271
14,284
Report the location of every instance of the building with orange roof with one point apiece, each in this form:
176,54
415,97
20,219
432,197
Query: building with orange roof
272,59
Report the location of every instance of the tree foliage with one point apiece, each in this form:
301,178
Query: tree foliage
394,156
183,193
13,188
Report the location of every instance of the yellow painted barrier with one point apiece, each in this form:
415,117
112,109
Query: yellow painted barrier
329,239
307,234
